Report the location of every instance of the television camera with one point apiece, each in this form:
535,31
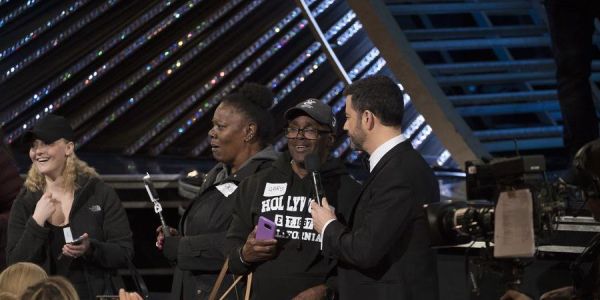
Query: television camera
455,222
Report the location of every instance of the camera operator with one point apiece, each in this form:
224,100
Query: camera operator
586,166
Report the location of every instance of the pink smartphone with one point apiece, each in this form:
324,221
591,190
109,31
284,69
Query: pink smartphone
266,229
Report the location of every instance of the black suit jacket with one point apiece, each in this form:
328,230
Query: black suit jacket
384,251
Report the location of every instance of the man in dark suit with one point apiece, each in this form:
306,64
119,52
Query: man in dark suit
383,251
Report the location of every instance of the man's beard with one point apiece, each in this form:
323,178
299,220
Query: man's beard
358,139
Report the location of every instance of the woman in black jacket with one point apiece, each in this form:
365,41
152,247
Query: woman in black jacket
240,139
66,219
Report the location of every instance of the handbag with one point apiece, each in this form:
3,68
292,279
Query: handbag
215,290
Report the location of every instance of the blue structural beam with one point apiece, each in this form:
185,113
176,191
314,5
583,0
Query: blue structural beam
499,98
480,79
473,32
495,66
529,144
507,109
483,43
518,133
515,7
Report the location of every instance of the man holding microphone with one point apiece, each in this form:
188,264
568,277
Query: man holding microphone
383,250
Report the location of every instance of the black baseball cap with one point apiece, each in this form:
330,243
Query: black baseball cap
50,129
315,109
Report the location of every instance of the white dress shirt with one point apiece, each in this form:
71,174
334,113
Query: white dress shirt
383,149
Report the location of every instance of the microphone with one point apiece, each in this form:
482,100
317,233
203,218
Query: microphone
154,199
312,162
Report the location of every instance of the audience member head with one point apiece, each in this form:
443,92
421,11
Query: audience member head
52,288
310,129
586,167
242,125
52,153
374,105
18,277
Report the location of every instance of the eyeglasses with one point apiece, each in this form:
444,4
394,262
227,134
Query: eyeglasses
307,133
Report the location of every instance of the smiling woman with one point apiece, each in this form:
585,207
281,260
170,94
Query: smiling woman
54,208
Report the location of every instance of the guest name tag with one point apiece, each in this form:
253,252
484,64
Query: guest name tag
227,188
68,235
274,189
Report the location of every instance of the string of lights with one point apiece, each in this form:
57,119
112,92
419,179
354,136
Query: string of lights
339,25
301,59
153,64
84,62
114,61
200,111
17,12
39,30
54,42
214,81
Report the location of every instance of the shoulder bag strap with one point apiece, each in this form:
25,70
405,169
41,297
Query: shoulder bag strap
139,282
217,286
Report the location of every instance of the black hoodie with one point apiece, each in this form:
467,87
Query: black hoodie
283,197
199,251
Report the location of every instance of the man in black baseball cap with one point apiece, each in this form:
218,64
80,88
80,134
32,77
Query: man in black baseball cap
290,265
315,109
50,129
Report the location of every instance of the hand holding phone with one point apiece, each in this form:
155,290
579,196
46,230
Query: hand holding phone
265,229
260,247
77,247
77,241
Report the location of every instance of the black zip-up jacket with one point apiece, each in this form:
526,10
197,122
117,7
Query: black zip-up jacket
199,253
283,197
96,211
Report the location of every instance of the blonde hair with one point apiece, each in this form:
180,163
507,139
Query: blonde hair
74,166
8,296
18,277
54,287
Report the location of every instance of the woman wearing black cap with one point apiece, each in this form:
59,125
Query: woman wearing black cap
240,142
66,219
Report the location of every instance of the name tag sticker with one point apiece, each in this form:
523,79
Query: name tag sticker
68,234
227,188
274,189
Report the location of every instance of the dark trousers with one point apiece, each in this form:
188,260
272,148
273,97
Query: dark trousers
571,25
